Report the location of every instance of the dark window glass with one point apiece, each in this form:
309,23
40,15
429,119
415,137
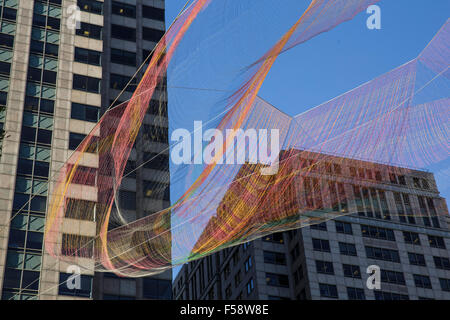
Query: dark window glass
442,263
157,289
44,136
392,277
277,280
30,280
9,13
20,201
123,57
75,139
51,49
91,6
12,278
351,271
5,68
16,238
152,34
127,200
274,258
90,31
6,40
35,240
344,227
85,112
28,134
325,267
153,13
85,286
38,204
88,56
25,167
422,281
321,245
356,294
416,259
123,33
41,169
377,233
123,9
320,226
119,82
436,242
85,83
328,290
382,254
411,237
348,249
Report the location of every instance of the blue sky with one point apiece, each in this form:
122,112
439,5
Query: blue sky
346,57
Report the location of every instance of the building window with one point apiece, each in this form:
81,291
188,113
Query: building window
75,139
85,83
85,112
295,252
416,259
153,35
422,281
89,31
436,242
382,254
355,294
88,56
343,227
153,13
274,237
377,233
119,82
248,264
320,226
122,9
85,290
348,249
250,286
411,238
321,245
325,267
127,58
383,295
274,258
395,277
277,280
127,200
159,289
328,290
351,271
445,284
91,6
123,33
442,263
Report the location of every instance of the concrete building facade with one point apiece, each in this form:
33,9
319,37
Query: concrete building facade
55,83
385,216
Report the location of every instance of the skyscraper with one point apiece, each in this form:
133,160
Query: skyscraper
378,215
55,83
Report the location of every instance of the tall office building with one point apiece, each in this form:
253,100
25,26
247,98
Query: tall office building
55,83
382,215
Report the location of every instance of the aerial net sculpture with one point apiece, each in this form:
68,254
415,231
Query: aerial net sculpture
230,189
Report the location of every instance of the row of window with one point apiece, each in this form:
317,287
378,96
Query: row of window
94,31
